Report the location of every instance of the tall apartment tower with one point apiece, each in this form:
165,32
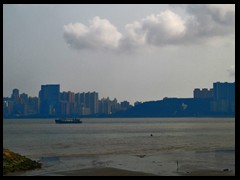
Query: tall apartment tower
94,102
224,91
49,96
15,95
224,97
91,102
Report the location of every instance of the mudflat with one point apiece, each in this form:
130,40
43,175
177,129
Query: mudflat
103,171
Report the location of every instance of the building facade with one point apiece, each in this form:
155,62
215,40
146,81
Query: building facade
204,93
49,96
224,97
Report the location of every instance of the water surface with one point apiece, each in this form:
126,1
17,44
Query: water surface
125,143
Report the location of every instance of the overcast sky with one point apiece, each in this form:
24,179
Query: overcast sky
128,52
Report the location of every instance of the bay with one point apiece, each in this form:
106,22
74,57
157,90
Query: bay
120,142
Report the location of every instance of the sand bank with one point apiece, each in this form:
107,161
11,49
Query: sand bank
109,171
103,171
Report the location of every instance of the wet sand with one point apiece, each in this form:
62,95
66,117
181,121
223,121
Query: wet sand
103,171
109,171
163,164
209,173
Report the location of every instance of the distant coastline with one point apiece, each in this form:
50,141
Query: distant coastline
216,102
114,116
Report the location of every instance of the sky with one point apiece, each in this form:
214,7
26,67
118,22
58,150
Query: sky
128,52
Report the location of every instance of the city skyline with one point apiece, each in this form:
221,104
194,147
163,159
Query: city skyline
216,101
128,52
200,90
65,91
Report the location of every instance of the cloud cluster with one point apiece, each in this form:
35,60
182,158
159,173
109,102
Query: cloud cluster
210,20
199,23
166,27
99,34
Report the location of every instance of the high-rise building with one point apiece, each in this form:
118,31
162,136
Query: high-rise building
90,101
17,106
224,97
204,93
70,96
125,105
24,103
104,106
224,90
77,98
50,99
87,100
33,105
24,98
82,99
115,106
63,96
68,103
94,102
77,103
15,95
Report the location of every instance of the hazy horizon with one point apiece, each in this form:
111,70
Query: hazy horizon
128,52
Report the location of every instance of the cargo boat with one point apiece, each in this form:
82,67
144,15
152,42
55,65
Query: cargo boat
68,121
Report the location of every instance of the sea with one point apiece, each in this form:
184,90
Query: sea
162,146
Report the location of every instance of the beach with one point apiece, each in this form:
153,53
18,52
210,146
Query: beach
163,164
108,171
103,171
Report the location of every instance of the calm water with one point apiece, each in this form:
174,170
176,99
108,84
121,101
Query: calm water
207,140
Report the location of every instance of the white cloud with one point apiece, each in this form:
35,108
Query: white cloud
198,24
166,27
99,34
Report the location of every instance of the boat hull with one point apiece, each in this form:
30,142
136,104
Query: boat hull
71,121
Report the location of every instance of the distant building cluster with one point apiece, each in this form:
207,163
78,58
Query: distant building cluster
217,101
20,104
51,102
221,97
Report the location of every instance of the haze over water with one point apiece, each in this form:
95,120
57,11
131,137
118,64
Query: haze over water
197,143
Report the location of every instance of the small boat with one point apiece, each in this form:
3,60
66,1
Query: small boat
68,121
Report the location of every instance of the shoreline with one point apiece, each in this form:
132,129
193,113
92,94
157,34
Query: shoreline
120,117
126,165
111,171
103,171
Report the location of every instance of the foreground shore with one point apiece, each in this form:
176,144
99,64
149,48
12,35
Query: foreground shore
13,162
109,171
162,164
103,171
